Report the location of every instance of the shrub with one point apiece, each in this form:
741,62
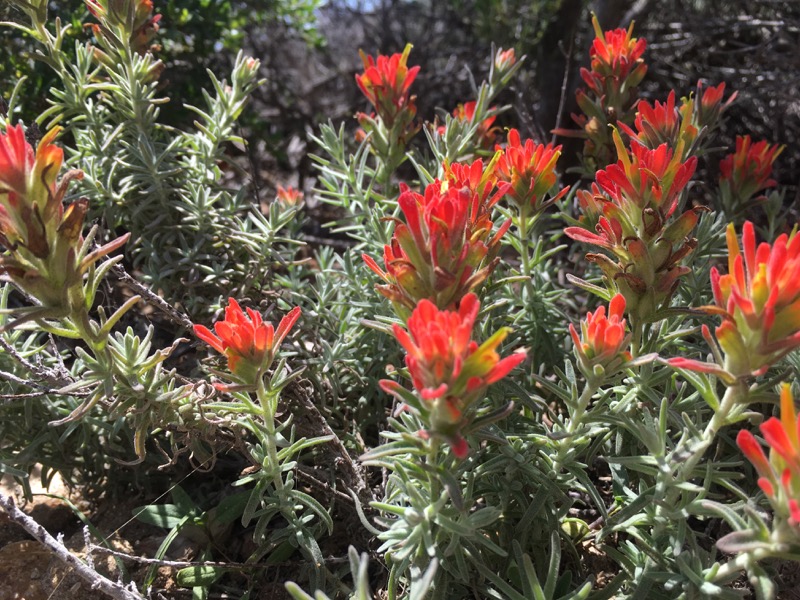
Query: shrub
431,373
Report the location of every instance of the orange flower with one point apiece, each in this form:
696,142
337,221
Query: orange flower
530,169
44,240
449,370
289,196
603,341
759,300
246,340
30,203
747,171
779,477
386,82
446,247
504,60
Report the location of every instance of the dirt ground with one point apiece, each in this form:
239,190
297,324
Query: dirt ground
28,571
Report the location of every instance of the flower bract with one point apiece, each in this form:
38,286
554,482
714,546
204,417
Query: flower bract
249,343
450,371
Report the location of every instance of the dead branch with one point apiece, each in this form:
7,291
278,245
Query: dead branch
151,297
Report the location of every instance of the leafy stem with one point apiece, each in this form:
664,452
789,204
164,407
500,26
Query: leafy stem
578,411
268,400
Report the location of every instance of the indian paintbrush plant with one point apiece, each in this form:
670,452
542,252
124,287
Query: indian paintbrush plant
426,382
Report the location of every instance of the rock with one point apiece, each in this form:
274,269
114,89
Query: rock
22,566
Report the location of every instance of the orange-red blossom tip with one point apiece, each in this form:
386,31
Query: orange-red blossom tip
249,343
779,476
449,370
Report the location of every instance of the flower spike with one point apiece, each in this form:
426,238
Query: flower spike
759,301
249,343
449,370
603,341
779,477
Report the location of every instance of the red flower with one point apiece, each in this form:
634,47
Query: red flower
710,106
445,248
660,123
530,169
747,171
449,370
479,181
289,196
646,179
617,62
44,240
30,204
386,82
779,477
761,297
759,300
16,160
246,340
603,339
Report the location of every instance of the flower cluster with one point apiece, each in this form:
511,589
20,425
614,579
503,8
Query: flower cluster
46,257
664,123
602,346
759,300
617,68
446,247
529,169
449,370
386,83
746,172
249,343
684,125
633,205
779,477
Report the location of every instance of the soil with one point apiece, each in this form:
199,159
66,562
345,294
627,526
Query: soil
28,571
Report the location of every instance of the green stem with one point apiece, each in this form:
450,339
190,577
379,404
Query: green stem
731,569
268,403
525,246
669,479
718,421
636,340
575,423
432,460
